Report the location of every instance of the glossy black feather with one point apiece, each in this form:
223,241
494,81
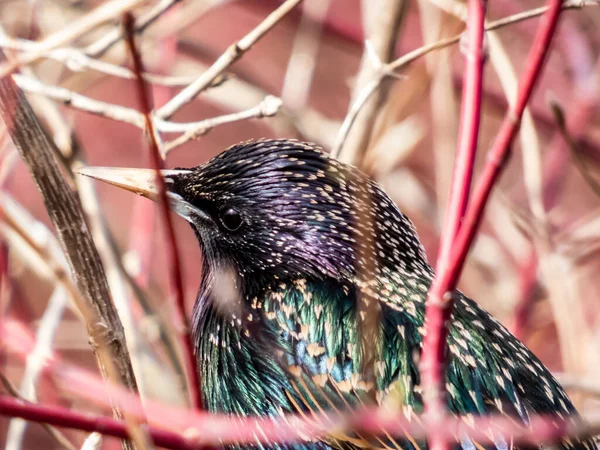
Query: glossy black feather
316,301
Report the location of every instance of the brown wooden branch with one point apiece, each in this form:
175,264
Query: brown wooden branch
38,152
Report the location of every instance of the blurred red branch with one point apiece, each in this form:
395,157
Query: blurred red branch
248,430
174,264
63,417
176,427
439,304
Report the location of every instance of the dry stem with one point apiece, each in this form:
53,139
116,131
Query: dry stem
233,53
180,318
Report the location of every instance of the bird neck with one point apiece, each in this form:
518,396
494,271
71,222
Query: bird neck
235,358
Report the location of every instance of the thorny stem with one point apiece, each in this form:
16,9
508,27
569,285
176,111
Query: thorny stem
439,306
180,319
439,298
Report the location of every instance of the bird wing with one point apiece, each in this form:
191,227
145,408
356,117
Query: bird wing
337,359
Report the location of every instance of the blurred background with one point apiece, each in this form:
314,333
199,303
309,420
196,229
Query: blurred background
535,263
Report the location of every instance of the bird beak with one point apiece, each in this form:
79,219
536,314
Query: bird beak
143,182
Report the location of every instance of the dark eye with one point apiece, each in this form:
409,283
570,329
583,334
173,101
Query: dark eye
231,219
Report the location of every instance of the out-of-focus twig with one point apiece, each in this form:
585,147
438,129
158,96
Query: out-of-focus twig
54,433
98,48
561,121
303,59
105,12
575,383
413,55
93,442
233,53
43,343
373,69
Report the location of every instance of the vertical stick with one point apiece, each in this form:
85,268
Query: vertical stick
439,304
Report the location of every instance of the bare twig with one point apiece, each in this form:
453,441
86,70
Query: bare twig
377,54
180,318
233,53
413,55
105,12
76,60
38,153
267,108
54,433
81,102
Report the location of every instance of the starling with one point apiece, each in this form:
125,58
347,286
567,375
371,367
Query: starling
312,299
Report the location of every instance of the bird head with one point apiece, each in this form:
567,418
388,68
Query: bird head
283,208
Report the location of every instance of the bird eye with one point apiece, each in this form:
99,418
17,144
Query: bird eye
231,219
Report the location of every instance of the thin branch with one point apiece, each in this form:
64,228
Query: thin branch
54,433
445,282
180,318
267,108
233,53
76,60
37,150
408,58
104,13
63,417
297,429
102,45
192,130
439,306
81,102
378,52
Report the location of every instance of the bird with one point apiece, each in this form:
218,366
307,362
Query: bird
312,299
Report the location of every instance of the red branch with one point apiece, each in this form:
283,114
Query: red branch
173,263
483,429
439,300
439,308
63,417
194,429
500,151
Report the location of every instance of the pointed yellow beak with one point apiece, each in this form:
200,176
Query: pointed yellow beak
143,182
138,181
